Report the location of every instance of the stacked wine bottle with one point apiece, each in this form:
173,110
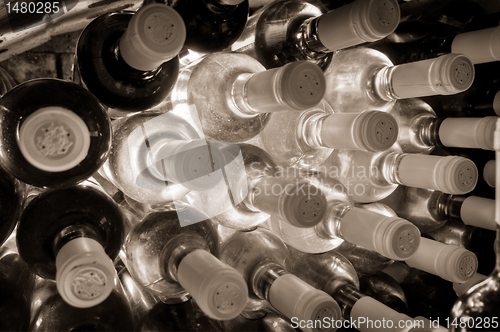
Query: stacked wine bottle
226,165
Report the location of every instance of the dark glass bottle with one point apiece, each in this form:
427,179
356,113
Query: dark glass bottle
71,235
52,313
211,25
53,133
16,289
10,204
127,67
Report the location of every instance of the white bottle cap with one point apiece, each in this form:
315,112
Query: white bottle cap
218,289
480,46
489,173
479,212
155,34
358,22
444,75
367,131
462,288
294,297
191,164
391,237
475,133
85,273
450,262
369,310
496,103
54,139
451,174
295,86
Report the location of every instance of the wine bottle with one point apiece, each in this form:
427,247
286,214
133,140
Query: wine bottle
370,177
334,274
291,30
52,313
264,261
150,314
366,262
176,261
259,192
307,138
477,240
129,61
71,235
420,130
390,236
384,289
16,289
158,158
489,171
228,95
11,192
362,79
479,46
481,300
211,26
54,133
429,210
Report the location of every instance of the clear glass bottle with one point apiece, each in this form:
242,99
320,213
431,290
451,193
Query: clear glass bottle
263,260
307,138
370,177
420,130
51,313
150,314
429,210
291,30
54,133
158,158
211,25
229,96
128,67
252,196
481,302
390,236
175,262
362,79
333,273
71,235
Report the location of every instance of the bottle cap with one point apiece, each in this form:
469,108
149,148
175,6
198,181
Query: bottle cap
156,34
450,262
302,85
218,289
480,46
478,212
358,22
444,75
377,131
489,173
294,297
85,274
192,164
451,174
54,139
391,237
462,288
305,207
496,103
474,133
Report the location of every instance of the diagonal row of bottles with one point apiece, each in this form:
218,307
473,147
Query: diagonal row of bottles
210,170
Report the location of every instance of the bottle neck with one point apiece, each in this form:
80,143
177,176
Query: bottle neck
263,277
347,297
428,132
310,130
176,249
309,41
330,226
125,69
450,206
74,231
385,169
